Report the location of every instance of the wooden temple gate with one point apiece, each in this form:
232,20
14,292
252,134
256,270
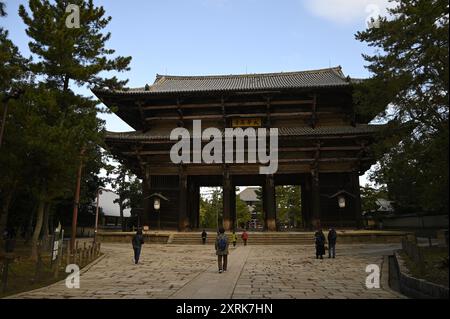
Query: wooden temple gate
323,144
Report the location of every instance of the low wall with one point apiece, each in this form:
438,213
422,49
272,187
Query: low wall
417,288
126,237
373,237
433,221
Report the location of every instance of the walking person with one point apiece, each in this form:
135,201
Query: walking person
332,237
234,238
319,238
244,237
222,250
137,242
204,236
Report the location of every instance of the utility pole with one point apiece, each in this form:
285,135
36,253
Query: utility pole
76,203
96,214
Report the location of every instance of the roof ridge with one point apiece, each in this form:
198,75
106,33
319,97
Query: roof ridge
337,70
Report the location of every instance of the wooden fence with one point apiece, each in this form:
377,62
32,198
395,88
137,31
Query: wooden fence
51,261
82,254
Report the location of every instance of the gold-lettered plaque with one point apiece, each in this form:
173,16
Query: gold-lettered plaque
250,122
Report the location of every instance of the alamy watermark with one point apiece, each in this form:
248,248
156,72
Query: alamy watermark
73,19
221,147
373,279
73,279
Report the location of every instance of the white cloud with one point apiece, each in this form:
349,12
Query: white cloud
348,11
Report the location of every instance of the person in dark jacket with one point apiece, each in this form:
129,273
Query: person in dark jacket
137,242
332,237
222,250
320,243
204,236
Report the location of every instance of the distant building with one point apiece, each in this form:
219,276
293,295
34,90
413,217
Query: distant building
110,217
374,218
249,196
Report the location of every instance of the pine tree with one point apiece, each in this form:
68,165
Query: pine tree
410,75
2,9
64,57
12,76
71,54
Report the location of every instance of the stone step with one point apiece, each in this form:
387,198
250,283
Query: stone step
254,239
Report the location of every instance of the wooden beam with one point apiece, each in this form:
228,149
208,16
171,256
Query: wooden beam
144,123
228,104
283,149
239,115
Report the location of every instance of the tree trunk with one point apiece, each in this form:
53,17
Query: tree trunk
37,230
29,229
44,230
122,223
4,217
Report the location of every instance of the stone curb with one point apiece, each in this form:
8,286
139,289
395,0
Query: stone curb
416,287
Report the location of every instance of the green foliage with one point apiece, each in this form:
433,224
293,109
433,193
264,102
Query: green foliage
66,54
2,9
411,75
211,209
369,197
289,209
129,189
50,130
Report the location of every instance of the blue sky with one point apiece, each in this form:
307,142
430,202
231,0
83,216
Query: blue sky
199,37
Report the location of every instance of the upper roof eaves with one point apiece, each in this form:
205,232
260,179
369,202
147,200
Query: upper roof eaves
167,84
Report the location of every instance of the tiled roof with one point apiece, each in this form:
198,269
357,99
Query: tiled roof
331,77
249,194
361,129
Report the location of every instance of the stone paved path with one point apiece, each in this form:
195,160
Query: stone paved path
171,271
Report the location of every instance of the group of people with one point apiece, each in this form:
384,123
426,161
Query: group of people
234,237
222,244
320,242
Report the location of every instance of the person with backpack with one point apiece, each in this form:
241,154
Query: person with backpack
204,236
244,237
332,237
222,250
320,243
234,238
137,242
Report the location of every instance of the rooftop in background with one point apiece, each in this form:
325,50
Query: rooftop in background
165,84
249,194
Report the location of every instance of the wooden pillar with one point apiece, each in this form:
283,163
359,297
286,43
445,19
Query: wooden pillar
183,221
233,216
193,204
306,206
315,199
270,220
227,189
144,215
357,201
